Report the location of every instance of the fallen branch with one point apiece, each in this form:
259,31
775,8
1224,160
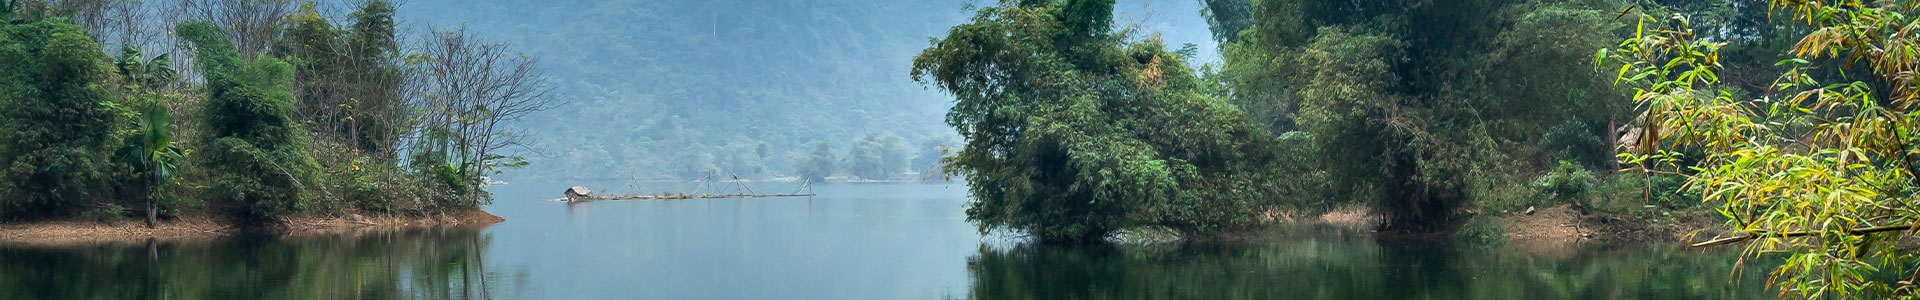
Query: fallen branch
1754,235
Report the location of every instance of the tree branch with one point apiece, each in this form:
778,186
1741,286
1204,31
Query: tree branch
1755,235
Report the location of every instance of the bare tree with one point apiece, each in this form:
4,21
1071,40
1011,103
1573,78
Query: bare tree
470,90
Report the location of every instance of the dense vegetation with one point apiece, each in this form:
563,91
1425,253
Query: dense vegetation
1076,127
314,118
1404,100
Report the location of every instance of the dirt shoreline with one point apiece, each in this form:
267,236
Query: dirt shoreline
199,228
1562,227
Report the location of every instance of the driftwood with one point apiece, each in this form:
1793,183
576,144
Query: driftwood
1751,236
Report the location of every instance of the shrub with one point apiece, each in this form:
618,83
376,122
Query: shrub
1481,231
1567,181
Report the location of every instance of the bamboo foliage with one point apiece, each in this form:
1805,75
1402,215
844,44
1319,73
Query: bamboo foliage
1803,170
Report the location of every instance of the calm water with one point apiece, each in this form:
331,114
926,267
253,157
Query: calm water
855,241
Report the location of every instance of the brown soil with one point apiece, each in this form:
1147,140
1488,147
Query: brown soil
71,233
1560,229
1356,217
1563,226
1552,224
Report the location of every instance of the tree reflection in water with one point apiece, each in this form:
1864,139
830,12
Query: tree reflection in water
1329,264
436,263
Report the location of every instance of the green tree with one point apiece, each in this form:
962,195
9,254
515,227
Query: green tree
1395,92
60,113
878,155
1075,128
150,154
255,151
348,78
818,165
927,160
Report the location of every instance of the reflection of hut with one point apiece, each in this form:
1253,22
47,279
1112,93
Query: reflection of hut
577,193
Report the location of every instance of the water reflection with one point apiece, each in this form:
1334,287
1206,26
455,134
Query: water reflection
439,263
1328,264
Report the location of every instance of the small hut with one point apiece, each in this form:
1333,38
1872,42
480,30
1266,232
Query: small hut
577,193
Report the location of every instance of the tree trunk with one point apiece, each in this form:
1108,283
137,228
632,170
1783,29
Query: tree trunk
152,207
152,210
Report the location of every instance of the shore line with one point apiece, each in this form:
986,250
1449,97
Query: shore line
200,228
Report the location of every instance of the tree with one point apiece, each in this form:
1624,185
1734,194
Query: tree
150,154
818,165
474,89
61,114
255,151
1823,169
1227,18
927,160
1076,129
1395,93
350,83
877,156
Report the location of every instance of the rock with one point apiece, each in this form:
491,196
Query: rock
1529,210
577,193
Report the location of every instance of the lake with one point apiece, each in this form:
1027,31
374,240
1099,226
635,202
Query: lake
853,241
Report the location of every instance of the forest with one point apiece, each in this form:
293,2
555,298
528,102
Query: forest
1786,121
1785,126
255,111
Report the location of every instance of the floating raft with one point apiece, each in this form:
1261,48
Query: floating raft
580,194
685,196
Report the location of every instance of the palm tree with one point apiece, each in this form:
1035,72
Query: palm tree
152,155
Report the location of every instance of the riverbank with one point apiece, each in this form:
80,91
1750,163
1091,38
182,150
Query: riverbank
200,228
1565,225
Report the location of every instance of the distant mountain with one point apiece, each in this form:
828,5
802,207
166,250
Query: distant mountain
666,89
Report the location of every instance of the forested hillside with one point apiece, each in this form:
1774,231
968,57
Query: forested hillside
677,89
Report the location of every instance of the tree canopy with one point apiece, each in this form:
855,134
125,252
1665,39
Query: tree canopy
1418,110
60,116
1076,127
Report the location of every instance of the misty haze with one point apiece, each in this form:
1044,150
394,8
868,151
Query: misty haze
958,149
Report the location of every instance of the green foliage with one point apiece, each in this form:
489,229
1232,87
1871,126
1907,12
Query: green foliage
818,165
255,151
1398,94
1568,182
1629,193
877,156
1823,154
1574,141
1227,18
1484,231
349,77
1075,130
60,115
151,155
927,160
